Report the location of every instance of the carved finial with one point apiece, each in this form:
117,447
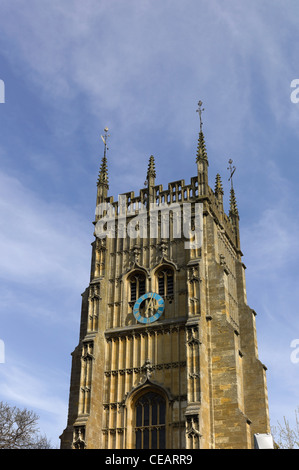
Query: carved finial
201,148
232,170
218,185
103,175
200,111
233,204
151,172
104,139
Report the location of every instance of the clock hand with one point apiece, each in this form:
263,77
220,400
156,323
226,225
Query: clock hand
150,305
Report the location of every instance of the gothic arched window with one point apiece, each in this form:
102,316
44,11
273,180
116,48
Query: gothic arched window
165,281
137,285
150,421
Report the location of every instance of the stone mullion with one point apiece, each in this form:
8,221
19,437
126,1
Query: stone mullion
119,393
179,380
196,297
97,261
103,261
105,439
142,357
109,427
90,312
88,385
172,379
189,370
82,381
114,308
150,346
128,364
114,366
197,371
100,257
155,347
192,347
107,367
121,371
190,298
96,314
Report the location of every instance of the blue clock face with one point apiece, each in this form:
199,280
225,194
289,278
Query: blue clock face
148,308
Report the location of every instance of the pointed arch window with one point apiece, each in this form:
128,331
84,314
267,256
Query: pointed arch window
137,286
165,282
150,421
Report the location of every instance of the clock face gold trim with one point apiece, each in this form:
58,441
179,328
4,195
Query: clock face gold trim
149,317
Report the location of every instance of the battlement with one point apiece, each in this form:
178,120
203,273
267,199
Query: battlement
177,191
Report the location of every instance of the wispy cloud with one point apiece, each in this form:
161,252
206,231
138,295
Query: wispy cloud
40,241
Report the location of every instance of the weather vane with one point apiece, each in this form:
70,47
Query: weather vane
232,170
199,111
104,139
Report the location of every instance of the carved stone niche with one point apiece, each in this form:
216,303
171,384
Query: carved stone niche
193,274
94,292
192,426
79,437
101,244
87,350
192,336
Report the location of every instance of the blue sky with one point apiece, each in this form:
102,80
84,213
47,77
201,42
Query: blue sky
70,68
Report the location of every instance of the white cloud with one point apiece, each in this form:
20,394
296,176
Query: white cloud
271,242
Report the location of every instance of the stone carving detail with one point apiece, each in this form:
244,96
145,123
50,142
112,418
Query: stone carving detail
79,437
192,336
164,248
94,292
136,253
100,256
147,368
93,308
193,290
192,427
86,376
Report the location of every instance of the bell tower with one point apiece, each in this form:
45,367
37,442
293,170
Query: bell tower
167,355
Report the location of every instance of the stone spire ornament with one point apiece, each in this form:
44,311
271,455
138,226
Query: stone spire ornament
218,186
102,182
202,158
103,174
150,179
219,191
233,209
201,147
151,172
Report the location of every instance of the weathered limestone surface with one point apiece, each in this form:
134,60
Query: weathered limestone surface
200,356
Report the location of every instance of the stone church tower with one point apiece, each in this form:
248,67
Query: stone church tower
167,354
